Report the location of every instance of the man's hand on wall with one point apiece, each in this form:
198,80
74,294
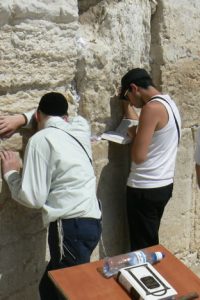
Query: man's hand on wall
10,161
9,124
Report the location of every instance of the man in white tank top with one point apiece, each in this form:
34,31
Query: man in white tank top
153,155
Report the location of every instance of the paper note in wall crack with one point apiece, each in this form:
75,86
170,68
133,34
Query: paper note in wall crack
120,135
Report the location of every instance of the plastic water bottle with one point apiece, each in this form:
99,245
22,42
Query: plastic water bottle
113,264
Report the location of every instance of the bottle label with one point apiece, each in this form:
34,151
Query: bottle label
141,257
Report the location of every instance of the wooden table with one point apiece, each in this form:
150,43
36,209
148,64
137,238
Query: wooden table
85,282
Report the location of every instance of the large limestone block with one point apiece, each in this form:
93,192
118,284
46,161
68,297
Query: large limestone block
175,64
175,31
38,53
114,38
26,267
61,11
175,54
181,31
11,229
112,174
176,227
182,81
175,40
37,45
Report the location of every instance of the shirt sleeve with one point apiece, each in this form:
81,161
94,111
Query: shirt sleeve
197,149
29,118
30,189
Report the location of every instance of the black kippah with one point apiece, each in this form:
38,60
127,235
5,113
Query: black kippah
53,104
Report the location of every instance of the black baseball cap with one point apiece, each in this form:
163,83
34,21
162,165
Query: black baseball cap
53,104
133,76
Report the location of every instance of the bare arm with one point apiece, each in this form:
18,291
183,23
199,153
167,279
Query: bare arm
130,113
11,123
153,117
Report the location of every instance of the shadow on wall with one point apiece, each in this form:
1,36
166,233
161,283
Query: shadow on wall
22,249
112,194
84,5
116,115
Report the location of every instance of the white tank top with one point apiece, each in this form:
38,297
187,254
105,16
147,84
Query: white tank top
158,169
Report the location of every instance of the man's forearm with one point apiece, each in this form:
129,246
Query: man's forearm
132,132
9,124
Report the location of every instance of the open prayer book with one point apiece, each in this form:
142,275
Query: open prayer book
120,135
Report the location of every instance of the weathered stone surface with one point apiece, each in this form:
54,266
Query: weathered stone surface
110,46
184,76
84,5
37,45
38,53
179,211
87,46
112,197
175,64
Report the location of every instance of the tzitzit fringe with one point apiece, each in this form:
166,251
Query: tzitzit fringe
60,238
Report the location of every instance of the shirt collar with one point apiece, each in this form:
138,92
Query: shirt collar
54,121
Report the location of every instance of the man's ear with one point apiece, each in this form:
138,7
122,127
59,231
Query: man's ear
37,116
133,87
65,118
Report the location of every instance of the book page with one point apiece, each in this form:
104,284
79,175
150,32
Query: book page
120,134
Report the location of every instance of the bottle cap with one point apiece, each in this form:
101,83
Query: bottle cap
159,255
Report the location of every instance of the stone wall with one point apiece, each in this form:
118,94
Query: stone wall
86,46
175,62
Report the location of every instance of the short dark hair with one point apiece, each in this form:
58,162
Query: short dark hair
138,76
53,104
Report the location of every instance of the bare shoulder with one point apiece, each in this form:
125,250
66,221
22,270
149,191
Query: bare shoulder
157,105
152,108
157,111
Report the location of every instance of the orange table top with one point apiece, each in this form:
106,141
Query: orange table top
85,282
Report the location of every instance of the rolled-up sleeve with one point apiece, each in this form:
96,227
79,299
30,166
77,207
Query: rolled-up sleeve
29,118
